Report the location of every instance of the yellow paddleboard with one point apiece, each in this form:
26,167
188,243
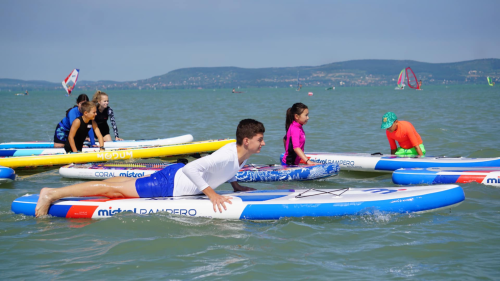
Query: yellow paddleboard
121,154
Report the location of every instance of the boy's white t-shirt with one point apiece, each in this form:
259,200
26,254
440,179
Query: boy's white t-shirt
212,170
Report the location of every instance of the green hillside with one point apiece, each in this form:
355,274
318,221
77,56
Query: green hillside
347,73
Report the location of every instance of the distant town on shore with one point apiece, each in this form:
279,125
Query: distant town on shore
355,73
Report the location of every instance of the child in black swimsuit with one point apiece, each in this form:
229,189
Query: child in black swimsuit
104,112
80,128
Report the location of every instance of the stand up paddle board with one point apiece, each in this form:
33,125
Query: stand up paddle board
485,175
120,154
107,144
387,163
261,204
7,174
249,173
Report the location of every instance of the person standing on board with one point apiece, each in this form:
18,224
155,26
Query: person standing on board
419,85
295,138
62,129
80,129
402,131
200,176
104,112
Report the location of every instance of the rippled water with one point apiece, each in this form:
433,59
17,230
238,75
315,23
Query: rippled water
461,243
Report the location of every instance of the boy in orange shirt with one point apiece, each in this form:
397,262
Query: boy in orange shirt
402,131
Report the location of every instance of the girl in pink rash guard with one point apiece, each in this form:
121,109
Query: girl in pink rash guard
295,139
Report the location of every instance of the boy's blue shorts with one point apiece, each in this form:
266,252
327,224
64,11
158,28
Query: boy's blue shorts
159,184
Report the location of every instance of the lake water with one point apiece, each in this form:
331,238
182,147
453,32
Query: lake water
461,243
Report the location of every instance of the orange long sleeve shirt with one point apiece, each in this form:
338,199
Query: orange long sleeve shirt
405,134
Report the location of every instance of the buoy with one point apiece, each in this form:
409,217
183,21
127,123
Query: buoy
310,93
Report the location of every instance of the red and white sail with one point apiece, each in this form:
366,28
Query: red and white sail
411,78
70,81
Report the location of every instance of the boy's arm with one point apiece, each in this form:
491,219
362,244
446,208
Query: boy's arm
72,133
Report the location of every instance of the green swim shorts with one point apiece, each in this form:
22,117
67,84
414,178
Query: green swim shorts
412,151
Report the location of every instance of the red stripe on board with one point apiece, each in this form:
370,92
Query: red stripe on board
470,178
81,212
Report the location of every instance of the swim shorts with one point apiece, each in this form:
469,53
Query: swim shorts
159,184
412,151
61,134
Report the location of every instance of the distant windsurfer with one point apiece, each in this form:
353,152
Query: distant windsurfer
70,88
26,93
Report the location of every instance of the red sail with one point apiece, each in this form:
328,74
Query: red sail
411,78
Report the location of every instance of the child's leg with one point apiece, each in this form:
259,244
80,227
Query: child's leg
118,187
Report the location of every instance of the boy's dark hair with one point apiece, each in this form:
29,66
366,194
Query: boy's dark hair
87,106
248,128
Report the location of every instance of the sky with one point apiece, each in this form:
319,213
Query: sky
125,40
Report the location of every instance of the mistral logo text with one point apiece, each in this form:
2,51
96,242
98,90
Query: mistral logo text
344,163
110,212
493,180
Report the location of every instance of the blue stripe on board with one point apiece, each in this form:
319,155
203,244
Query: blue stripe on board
402,205
274,191
27,145
59,210
20,152
445,179
260,197
7,153
407,177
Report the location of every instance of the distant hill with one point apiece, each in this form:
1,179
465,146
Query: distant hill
348,73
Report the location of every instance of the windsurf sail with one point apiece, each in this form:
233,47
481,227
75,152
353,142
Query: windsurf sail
490,81
401,79
299,86
411,78
70,81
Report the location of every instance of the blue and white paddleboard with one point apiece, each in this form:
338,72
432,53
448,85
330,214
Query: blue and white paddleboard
249,173
263,204
45,148
483,175
387,163
7,174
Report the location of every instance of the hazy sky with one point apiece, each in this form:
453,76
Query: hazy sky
129,40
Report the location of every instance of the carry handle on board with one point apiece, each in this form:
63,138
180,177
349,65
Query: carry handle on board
377,153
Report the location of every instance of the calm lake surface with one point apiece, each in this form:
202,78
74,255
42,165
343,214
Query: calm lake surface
461,243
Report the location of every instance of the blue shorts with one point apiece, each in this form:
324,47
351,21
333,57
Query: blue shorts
61,134
159,184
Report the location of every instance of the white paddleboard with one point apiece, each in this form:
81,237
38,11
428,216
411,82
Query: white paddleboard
366,162
261,204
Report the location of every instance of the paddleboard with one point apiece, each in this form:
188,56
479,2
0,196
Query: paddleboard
107,144
249,173
7,174
484,175
261,204
366,162
120,154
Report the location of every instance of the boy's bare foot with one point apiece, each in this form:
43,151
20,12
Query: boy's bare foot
44,201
